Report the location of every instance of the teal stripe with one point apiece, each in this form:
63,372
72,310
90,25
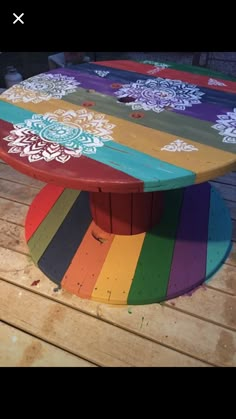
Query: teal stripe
12,113
219,234
155,174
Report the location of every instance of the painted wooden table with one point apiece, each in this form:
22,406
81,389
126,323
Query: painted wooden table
127,149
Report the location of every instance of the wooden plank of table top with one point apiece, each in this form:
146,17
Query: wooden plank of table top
8,173
166,325
81,334
18,349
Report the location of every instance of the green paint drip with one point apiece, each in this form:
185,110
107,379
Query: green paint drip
129,311
151,277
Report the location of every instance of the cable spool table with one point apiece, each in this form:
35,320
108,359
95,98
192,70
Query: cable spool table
126,148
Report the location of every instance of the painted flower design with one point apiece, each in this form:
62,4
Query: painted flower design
101,73
157,66
59,135
42,87
179,145
214,82
157,94
226,125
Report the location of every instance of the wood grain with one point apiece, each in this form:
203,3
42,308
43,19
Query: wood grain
18,349
83,335
165,325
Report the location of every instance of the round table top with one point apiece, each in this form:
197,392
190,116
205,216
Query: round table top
121,126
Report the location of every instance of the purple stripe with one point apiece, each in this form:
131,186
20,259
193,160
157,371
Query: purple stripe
190,248
205,111
88,81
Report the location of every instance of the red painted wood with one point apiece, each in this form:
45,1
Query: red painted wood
80,173
157,207
142,212
199,79
38,210
121,213
126,214
100,206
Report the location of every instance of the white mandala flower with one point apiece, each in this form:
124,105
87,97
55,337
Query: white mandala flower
226,125
42,87
157,94
179,145
59,135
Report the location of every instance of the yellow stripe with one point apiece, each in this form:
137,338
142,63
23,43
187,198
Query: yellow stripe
115,278
208,162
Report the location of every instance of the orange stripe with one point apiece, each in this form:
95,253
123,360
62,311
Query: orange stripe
88,261
116,276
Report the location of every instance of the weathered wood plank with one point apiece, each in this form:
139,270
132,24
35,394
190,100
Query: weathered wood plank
13,212
83,335
12,237
210,305
182,329
17,192
176,329
8,173
224,280
18,349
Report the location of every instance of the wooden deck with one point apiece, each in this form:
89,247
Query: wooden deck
43,326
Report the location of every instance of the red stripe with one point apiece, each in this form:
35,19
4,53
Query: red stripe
39,209
200,80
80,173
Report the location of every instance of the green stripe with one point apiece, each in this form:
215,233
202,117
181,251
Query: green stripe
192,69
47,229
156,255
166,121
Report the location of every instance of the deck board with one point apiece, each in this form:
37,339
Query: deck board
22,350
196,330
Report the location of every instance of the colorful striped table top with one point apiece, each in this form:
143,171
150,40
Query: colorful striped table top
121,126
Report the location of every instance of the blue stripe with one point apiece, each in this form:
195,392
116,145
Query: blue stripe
219,233
127,76
117,75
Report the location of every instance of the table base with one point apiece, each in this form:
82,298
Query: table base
187,246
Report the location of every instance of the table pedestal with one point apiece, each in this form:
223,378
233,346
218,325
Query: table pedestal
127,214
185,245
